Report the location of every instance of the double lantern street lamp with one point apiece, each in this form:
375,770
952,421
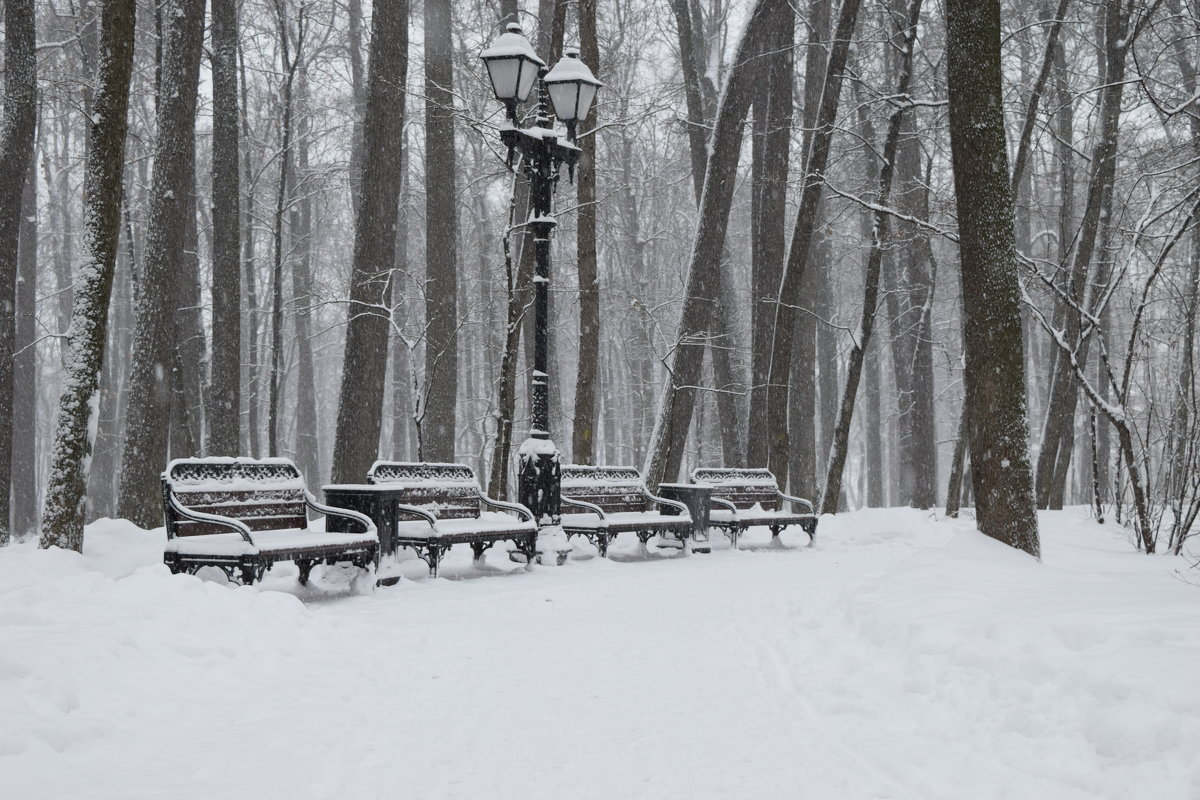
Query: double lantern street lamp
570,87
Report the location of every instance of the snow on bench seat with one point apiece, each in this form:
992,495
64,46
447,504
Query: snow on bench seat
493,522
278,541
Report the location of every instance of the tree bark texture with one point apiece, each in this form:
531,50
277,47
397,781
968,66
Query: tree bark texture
16,153
771,147
584,429
223,430
1000,468
146,425
308,451
63,513
364,372
25,366
441,232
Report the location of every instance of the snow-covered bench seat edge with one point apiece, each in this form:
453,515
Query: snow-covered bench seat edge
246,542
616,500
447,500
743,498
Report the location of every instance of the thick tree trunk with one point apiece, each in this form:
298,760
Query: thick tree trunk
63,514
583,431
995,367
25,365
360,406
773,108
223,429
146,424
802,238
703,281
16,154
441,234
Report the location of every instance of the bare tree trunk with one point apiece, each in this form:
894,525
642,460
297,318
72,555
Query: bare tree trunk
191,353
25,366
695,323
146,424
360,406
16,154
290,64
995,367
583,430
1060,411
403,446
250,276
308,452
224,414
63,514
840,436
441,235
802,238
520,299
358,92
957,466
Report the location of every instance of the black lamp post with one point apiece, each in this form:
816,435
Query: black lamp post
570,88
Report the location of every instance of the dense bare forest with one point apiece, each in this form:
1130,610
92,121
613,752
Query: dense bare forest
893,252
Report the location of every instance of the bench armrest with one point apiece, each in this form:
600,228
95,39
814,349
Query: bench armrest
720,501
662,501
799,500
203,516
362,519
520,510
418,512
595,509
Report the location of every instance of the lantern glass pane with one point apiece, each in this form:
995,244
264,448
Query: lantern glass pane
563,96
587,93
527,77
503,72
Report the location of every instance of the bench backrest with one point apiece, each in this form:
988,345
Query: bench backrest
448,491
265,494
614,489
742,487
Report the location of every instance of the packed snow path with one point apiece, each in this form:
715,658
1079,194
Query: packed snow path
901,658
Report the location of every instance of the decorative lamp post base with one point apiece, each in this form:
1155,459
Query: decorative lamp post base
538,489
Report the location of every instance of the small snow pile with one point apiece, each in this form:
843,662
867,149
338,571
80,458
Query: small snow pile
1078,674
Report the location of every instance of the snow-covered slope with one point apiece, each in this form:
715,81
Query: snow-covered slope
901,658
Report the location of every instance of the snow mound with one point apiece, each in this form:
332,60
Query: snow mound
902,657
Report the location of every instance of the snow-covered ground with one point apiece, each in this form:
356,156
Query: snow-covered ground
902,657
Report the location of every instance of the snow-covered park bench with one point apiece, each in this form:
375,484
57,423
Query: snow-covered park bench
744,498
612,500
242,515
449,509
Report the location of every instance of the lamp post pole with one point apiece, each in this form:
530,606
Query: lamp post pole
513,68
539,477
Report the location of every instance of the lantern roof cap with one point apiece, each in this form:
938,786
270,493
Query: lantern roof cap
570,68
512,44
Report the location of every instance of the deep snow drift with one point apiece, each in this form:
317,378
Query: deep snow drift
901,658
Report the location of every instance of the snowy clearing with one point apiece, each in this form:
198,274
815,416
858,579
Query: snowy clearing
901,658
